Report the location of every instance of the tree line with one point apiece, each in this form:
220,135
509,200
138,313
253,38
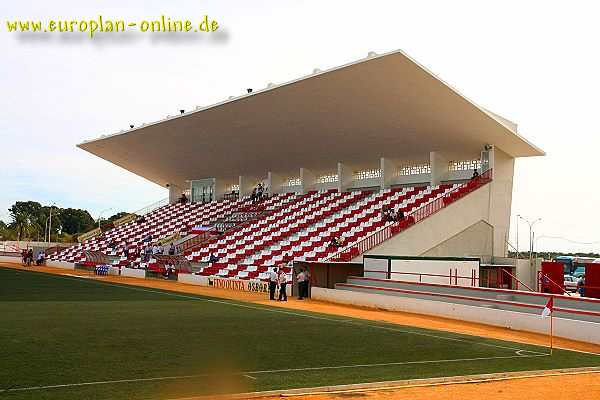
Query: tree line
29,220
550,255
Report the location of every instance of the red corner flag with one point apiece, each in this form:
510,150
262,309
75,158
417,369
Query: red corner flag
549,308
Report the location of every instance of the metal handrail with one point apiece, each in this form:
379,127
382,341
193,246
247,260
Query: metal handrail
148,209
417,215
542,276
472,278
517,279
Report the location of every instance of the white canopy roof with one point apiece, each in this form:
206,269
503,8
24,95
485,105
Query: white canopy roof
382,106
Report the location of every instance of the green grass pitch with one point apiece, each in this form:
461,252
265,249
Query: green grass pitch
74,338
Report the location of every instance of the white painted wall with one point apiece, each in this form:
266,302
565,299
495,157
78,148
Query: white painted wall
436,267
9,259
133,273
60,264
192,279
571,329
375,264
474,241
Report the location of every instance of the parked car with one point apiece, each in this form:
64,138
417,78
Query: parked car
571,283
579,272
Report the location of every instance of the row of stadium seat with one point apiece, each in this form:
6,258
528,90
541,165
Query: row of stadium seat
352,215
160,223
298,227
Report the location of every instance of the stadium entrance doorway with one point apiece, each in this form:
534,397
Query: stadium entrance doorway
202,190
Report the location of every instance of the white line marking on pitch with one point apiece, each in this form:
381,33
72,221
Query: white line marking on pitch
248,374
267,309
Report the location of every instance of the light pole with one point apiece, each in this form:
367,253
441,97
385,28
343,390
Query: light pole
100,215
531,224
517,227
50,223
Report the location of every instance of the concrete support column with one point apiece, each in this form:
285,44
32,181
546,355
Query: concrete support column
490,159
219,189
174,193
439,167
274,183
246,185
308,180
388,172
345,177
500,200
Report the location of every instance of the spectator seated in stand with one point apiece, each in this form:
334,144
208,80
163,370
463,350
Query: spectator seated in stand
147,253
169,269
172,249
140,220
41,259
213,258
337,242
183,199
393,215
475,174
156,249
400,215
388,215
288,259
258,193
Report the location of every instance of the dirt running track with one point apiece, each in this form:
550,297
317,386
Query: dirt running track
582,386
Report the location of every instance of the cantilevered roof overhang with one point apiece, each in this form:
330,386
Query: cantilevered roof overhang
382,106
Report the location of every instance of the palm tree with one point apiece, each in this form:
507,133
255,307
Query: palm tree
21,223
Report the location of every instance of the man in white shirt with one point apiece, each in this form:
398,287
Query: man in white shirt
306,282
282,279
301,278
272,283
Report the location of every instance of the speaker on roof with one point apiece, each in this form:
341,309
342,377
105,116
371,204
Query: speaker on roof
249,90
131,126
182,111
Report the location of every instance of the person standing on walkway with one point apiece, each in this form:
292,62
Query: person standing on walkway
306,282
272,283
581,286
301,277
282,285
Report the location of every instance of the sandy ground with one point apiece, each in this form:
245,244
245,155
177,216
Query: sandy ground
586,386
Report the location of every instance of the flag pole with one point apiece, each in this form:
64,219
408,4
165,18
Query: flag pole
551,330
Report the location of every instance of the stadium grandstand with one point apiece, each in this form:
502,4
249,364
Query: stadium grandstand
378,156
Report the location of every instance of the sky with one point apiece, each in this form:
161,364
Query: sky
534,62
